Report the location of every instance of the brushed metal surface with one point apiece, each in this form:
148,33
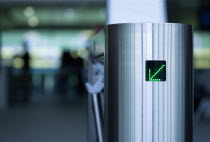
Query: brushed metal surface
140,111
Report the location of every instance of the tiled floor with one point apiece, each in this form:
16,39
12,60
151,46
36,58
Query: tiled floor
45,121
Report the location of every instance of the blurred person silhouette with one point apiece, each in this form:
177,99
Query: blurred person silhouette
70,74
64,72
26,58
78,65
21,83
26,73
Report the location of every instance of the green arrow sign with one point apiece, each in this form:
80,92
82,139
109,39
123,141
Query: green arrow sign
155,70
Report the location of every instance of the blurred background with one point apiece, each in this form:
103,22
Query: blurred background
43,57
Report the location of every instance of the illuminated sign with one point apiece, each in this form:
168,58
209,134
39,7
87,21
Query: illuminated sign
155,70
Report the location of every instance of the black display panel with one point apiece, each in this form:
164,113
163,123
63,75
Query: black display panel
155,70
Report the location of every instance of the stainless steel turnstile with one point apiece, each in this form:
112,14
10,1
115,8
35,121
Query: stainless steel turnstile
148,83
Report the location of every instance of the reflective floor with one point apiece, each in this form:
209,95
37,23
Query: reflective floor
55,119
202,132
45,119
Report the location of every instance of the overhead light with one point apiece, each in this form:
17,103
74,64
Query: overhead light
69,13
33,21
29,11
102,12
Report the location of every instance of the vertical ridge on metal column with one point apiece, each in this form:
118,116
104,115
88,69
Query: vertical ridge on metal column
130,46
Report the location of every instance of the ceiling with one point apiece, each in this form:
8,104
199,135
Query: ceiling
68,16
74,14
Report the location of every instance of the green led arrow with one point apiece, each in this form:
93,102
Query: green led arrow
151,77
